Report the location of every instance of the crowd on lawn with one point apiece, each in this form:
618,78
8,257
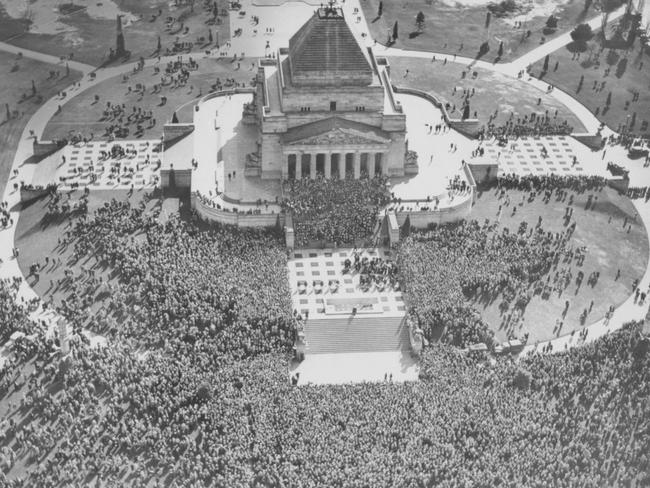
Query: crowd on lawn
448,270
171,417
445,269
527,126
335,211
177,281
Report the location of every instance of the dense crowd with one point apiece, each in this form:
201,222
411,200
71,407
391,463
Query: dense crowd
177,281
169,418
551,182
13,317
446,270
526,127
335,211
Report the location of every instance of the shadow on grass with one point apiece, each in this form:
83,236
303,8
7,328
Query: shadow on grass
414,34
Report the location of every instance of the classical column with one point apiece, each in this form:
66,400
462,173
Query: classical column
357,165
342,166
299,166
384,163
371,164
285,167
328,166
312,165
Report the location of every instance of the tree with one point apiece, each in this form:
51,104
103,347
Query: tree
587,4
551,22
380,10
395,30
419,21
582,33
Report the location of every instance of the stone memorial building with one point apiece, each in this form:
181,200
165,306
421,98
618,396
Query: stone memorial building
325,105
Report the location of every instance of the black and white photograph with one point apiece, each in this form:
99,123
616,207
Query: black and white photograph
324,243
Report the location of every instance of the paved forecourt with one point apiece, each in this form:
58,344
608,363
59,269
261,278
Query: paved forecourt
546,155
95,165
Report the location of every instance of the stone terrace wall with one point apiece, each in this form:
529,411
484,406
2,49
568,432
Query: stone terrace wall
422,219
234,218
468,127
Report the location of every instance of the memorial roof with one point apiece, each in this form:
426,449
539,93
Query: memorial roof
324,51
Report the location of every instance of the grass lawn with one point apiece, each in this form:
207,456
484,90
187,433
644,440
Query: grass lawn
92,37
610,247
629,73
448,26
494,92
82,114
15,81
37,238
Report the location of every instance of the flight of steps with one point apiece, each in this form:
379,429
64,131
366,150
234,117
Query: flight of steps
356,334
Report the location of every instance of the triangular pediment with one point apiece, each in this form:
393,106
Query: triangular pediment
339,136
335,131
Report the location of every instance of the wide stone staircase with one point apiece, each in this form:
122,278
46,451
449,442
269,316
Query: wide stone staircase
356,334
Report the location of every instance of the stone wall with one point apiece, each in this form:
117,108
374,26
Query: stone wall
423,219
235,218
483,173
468,127
45,148
29,194
620,183
182,179
346,98
592,141
171,132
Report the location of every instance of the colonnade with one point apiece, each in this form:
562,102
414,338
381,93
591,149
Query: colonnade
305,164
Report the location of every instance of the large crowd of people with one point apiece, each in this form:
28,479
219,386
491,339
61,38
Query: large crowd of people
169,418
176,282
335,211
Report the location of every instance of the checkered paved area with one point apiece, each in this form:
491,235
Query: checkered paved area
327,265
85,166
526,156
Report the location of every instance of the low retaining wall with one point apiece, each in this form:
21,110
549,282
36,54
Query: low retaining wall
45,148
483,173
239,219
180,179
592,141
620,183
423,219
27,195
468,127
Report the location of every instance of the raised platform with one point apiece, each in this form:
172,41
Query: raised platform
346,306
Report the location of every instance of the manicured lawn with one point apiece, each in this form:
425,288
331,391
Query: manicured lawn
629,73
610,248
83,114
93,37
15,81
493,92
448,25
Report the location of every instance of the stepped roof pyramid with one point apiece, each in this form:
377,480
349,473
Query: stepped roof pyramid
324,51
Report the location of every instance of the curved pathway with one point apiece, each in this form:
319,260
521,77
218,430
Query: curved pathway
47,58
9,267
